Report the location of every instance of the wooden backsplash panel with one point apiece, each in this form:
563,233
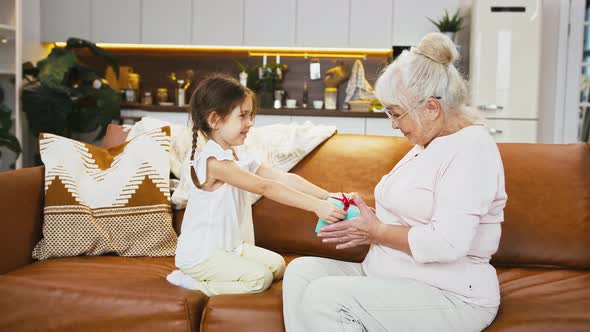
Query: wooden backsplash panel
155,65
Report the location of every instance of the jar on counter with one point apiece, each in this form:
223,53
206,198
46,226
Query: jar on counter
130,95
162,95
147,98
330,98
133,81
132,90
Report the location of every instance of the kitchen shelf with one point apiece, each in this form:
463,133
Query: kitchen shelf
266,111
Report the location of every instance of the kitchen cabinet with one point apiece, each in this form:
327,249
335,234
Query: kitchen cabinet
61,19
7,50
381,127
261,23
371,23
166,22
115,21
344,125
265,120
517,131
323,23
410,21
502,130
218,22
269,23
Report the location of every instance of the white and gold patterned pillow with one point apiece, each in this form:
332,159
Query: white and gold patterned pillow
113,200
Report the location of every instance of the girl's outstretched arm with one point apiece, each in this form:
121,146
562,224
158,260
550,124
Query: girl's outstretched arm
292,180
229,172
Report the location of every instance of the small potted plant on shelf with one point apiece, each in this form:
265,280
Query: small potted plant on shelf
7,139
449,25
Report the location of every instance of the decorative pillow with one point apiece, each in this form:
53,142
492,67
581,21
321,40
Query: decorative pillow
113,200
181,138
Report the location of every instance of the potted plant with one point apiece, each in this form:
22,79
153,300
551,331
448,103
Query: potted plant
7,139
65,97
264,81
449,25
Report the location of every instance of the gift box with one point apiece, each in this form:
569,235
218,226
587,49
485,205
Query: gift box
345,204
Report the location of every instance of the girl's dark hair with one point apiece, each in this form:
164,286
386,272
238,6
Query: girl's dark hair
217,93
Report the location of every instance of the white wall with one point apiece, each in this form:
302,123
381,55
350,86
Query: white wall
32,51
553,63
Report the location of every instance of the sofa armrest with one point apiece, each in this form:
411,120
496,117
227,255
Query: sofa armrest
21,203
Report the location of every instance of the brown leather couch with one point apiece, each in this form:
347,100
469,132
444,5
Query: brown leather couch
543,262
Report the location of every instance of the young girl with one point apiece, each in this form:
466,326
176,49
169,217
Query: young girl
211,255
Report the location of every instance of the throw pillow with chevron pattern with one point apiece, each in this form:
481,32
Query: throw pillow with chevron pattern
100,201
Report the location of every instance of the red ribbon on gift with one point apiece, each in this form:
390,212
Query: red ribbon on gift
347,202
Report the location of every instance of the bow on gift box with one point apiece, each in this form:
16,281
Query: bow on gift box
347,202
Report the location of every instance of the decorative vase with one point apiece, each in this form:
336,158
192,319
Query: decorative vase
451,35
266,99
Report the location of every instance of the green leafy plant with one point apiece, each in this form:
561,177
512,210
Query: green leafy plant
264,79
63,96
7,139
448,23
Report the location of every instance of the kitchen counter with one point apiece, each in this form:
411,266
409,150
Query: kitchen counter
261,111
363,123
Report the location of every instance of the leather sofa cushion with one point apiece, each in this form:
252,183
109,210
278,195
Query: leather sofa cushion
543,300
547,216
532,300
106,293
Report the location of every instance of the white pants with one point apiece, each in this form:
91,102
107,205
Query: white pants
321,294
228,273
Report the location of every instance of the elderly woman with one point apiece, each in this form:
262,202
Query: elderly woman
435,226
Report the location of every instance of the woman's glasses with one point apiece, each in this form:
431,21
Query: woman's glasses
396,117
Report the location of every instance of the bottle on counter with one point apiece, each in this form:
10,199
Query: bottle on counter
243,78
147,98
179,93
278,103
305,95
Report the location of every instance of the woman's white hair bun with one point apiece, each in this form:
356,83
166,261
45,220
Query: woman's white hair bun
438,48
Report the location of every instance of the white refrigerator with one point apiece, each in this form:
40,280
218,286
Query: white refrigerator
505,59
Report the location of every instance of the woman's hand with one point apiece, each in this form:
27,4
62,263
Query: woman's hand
328,211
353,232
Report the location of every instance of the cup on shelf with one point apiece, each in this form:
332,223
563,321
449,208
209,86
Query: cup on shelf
318,104
291,103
